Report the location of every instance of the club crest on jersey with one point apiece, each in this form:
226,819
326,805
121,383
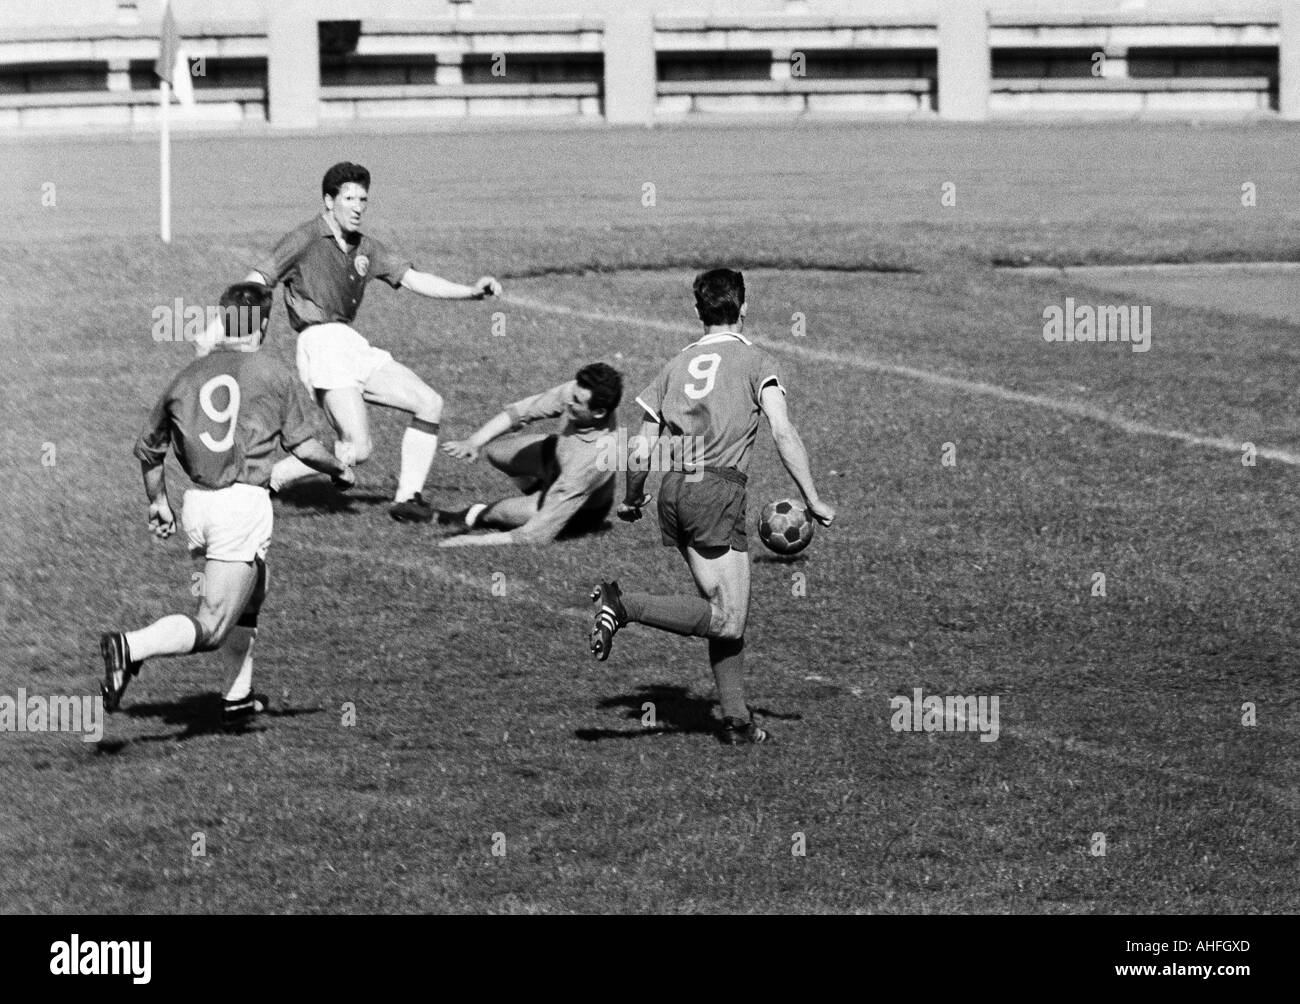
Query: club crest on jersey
362,264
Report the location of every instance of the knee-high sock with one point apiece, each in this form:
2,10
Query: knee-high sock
237,653
287,470
419,447
688,615
171,635
727,657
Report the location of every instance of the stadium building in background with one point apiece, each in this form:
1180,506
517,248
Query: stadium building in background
301,64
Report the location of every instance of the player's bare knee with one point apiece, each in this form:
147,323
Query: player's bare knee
361,449
733,629
428,405
726,624
213,627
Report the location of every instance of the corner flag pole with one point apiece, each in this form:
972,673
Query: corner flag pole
173,71
165,161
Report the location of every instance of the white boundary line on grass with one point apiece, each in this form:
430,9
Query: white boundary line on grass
1073,408
1082,747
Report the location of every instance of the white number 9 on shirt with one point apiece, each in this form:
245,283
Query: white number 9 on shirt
227,414
704,368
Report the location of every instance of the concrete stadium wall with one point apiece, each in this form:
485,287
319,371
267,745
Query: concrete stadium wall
88,62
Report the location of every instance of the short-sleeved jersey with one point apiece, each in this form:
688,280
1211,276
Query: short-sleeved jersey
581,484
224,414
322,282
709,393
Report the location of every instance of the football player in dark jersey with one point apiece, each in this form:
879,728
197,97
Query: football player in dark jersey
707,400
223,416
325,265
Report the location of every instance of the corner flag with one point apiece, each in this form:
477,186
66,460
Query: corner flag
171,64
171,67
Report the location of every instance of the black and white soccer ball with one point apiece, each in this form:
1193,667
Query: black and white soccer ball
785,526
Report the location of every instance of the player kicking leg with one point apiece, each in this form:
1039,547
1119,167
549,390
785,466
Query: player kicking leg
713,520
719,614
347,373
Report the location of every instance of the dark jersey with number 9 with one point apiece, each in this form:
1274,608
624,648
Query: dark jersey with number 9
709,393
224,415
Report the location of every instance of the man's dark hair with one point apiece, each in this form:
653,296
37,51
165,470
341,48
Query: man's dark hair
719,294
245,306
605,384
340,174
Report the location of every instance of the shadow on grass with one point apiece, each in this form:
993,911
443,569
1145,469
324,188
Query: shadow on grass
769,558
198,714
318,495
581,533
676,710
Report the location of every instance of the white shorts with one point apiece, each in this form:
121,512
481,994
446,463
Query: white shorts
229,524
332,355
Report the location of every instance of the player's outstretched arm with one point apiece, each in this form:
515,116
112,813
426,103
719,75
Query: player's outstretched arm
162,522
469,449
438,288
790,449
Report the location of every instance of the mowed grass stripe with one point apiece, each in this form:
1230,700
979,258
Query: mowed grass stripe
867,363
1028,736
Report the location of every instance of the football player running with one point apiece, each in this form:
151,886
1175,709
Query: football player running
708,398
325,265
224,416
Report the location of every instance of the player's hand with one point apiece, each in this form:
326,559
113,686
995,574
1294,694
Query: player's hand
630,512
162,523
485,287
461,449
822,512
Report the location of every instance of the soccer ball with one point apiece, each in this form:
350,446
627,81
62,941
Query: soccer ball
785,526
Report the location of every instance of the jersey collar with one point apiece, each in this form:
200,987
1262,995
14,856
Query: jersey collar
718,336
327,230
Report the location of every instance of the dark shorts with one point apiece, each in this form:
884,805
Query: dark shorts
704,514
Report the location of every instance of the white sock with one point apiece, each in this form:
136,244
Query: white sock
287,471
238,655
473,513
418,450
171,635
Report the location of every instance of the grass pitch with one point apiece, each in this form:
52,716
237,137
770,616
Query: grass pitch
479,718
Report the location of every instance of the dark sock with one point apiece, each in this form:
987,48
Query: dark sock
727,656
688,615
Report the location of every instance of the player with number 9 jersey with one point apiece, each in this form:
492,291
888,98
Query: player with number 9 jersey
225,414
709,393
708,399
